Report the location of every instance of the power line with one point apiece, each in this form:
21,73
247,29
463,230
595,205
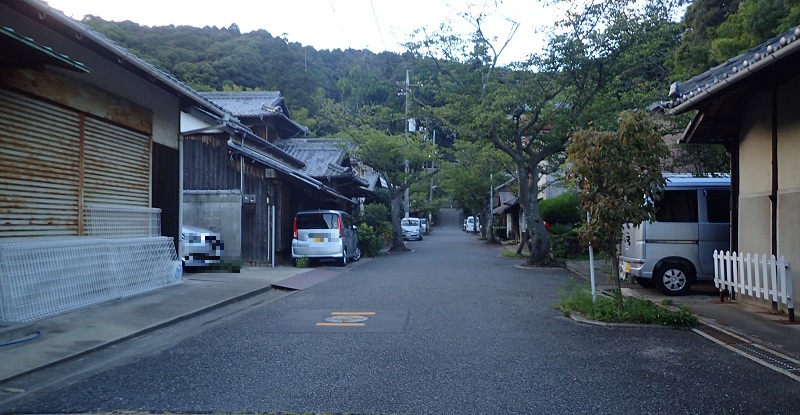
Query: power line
380,32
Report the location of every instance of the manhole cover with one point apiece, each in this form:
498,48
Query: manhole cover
346,319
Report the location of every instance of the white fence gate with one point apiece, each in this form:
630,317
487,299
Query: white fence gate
756,276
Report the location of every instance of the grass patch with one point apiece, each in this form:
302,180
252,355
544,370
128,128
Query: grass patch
512,254
578,297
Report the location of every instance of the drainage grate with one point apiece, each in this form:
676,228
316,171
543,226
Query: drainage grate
769,358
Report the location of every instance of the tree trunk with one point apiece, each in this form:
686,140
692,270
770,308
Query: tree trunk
539,240
397,213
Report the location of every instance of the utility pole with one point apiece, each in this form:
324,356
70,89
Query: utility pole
406,90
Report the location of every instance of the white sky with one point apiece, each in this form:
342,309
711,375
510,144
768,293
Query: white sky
376,25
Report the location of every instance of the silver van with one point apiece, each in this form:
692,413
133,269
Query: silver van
319,234
674,251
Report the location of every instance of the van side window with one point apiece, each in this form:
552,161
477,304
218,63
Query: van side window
718,204
677,206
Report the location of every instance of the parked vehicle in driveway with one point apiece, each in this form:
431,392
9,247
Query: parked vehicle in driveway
325,234
473,224
674,251
201,247
426,227
412,230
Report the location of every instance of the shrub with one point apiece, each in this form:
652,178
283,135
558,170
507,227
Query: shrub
500,232
565,241
376,215
370,243
301,262
564,208
576,297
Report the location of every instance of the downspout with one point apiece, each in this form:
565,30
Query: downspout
774,194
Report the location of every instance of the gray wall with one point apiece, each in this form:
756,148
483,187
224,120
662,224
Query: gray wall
219,211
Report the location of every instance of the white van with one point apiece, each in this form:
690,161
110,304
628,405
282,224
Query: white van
472,224
321,234
674,251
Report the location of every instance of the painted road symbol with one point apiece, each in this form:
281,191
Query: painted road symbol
346,319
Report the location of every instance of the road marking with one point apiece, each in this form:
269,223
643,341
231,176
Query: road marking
351,313
341,324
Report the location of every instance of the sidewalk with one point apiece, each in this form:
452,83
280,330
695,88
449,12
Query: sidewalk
69,335
756,324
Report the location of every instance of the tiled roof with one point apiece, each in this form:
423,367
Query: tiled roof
323,157
690,94
248,104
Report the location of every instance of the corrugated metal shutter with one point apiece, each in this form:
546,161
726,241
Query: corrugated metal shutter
39,167
116,165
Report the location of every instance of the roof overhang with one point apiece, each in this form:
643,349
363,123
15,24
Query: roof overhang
23,51
287,170
719,95
94,41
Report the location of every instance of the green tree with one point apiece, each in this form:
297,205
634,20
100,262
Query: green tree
620,175
466,179
399,157
530,109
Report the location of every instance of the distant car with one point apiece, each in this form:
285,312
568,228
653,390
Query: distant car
319,234
426,227
411,229
472,224
201,247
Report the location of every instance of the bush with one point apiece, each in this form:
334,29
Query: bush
302,262
576,297
500,232
376,215
370,243
565,241
564,208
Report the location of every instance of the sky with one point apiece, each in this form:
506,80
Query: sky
377,25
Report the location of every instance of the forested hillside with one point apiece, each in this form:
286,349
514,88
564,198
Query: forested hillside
213,59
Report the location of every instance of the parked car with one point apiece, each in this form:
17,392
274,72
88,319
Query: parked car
472,224
411,229
426,227
674,251
325,234
201,247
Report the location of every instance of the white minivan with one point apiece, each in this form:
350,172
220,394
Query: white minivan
319,234
472,224
674,251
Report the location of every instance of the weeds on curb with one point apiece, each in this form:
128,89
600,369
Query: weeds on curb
577,297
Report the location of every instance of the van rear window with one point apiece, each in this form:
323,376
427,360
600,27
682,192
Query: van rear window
318,221
677,206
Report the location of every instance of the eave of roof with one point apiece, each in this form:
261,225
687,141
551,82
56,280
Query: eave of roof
87,37
267,161
699,90
17,46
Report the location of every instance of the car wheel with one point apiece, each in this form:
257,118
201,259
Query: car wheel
673,279
343,260
357,256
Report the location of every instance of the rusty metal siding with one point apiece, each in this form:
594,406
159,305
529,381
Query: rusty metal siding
39,168
116,165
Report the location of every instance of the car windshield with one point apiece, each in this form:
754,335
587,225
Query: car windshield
409,222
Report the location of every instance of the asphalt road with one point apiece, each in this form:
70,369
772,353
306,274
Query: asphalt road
451,328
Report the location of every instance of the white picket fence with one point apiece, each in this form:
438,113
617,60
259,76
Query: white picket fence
756,276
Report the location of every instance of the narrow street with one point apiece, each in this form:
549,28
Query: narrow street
448,328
